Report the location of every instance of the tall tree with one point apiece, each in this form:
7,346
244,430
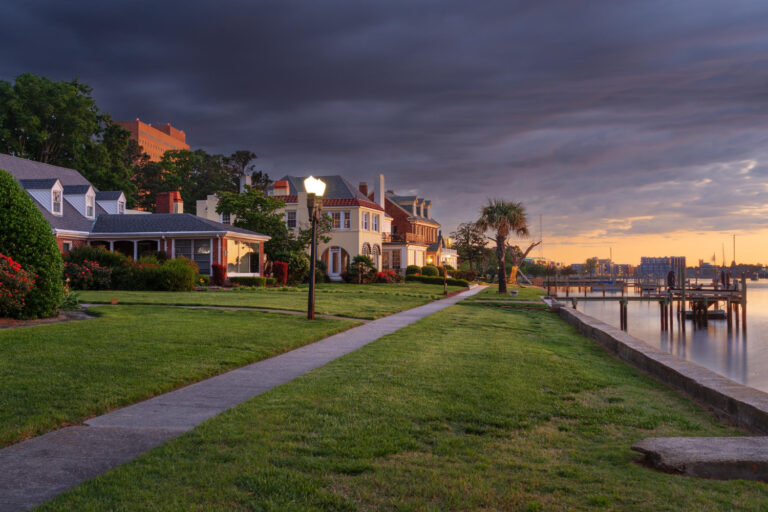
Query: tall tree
469,242
240,163
590,266
505,219
259,212
59,123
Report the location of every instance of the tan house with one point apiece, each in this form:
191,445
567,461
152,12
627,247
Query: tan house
358,220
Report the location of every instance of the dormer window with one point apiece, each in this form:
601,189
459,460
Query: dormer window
121,207
90,206
56,207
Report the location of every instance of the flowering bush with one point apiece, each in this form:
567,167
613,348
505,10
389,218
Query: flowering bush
15,284
88,275
387,276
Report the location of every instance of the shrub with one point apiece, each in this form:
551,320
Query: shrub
280,271
429,270
387,276
27,237
298,267
219,274
437,280
15,285
261,282
203,280
100,255
362,268
412,269
469,275
88,275
175,275
271,281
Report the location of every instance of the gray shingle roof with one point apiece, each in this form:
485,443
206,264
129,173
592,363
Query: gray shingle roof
70,220
38,184
336,187
162,223
76,189
23,169
110,195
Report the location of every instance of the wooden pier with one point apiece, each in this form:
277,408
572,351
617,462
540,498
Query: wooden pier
673,302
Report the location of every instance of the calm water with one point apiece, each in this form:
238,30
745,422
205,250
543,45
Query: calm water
740,356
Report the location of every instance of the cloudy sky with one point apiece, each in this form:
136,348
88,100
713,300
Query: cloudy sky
635,126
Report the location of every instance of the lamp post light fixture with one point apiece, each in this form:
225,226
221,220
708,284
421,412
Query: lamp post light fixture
315,189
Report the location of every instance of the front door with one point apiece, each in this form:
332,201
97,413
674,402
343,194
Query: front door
335,262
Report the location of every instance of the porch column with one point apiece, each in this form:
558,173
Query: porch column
111,245
135,251
210,257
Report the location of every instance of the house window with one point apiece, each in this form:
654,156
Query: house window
57,201
290,219
225,219
341,220
366,221
66,246
396,260
242,257
198,251
376,223
121,207
89,206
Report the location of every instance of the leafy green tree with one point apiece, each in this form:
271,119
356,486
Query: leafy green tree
59,123
469,242
505,219
240,163
26,237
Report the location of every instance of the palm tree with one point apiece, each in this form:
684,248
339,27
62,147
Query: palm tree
505,219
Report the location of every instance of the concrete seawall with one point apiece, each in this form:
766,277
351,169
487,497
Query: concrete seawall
744,406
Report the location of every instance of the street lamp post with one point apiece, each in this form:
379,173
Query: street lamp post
315,189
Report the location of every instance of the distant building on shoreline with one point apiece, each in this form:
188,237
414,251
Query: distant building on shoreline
659,266
155,140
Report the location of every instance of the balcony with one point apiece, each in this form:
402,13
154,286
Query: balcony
405,238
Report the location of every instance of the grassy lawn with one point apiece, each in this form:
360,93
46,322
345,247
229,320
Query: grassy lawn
523,293
473,408
58,374
367,301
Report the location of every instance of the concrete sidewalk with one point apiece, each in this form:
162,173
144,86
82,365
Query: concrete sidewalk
39,469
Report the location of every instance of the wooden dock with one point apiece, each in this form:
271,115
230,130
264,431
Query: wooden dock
687,300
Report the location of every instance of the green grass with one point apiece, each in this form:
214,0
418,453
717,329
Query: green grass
58,374
491,292
368,301
473,408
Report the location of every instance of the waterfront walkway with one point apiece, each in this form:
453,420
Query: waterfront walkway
39,469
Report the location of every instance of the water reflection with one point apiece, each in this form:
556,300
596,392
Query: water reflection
739,355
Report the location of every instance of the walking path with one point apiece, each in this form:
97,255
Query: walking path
36,470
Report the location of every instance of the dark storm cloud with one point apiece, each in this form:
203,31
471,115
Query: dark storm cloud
588,112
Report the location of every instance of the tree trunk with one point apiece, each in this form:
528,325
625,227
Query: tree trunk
501,252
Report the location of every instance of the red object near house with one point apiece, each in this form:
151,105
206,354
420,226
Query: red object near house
169,202
219,274
280,271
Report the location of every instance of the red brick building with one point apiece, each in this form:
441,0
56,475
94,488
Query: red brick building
155,140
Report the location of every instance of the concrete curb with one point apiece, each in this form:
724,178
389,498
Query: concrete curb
742,405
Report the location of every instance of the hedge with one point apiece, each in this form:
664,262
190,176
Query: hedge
27,237
253,281
429,270
437,280
412,269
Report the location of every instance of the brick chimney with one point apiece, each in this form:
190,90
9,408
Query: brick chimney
169,202
281,188
363,188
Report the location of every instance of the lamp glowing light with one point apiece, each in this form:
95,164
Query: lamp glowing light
314,186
